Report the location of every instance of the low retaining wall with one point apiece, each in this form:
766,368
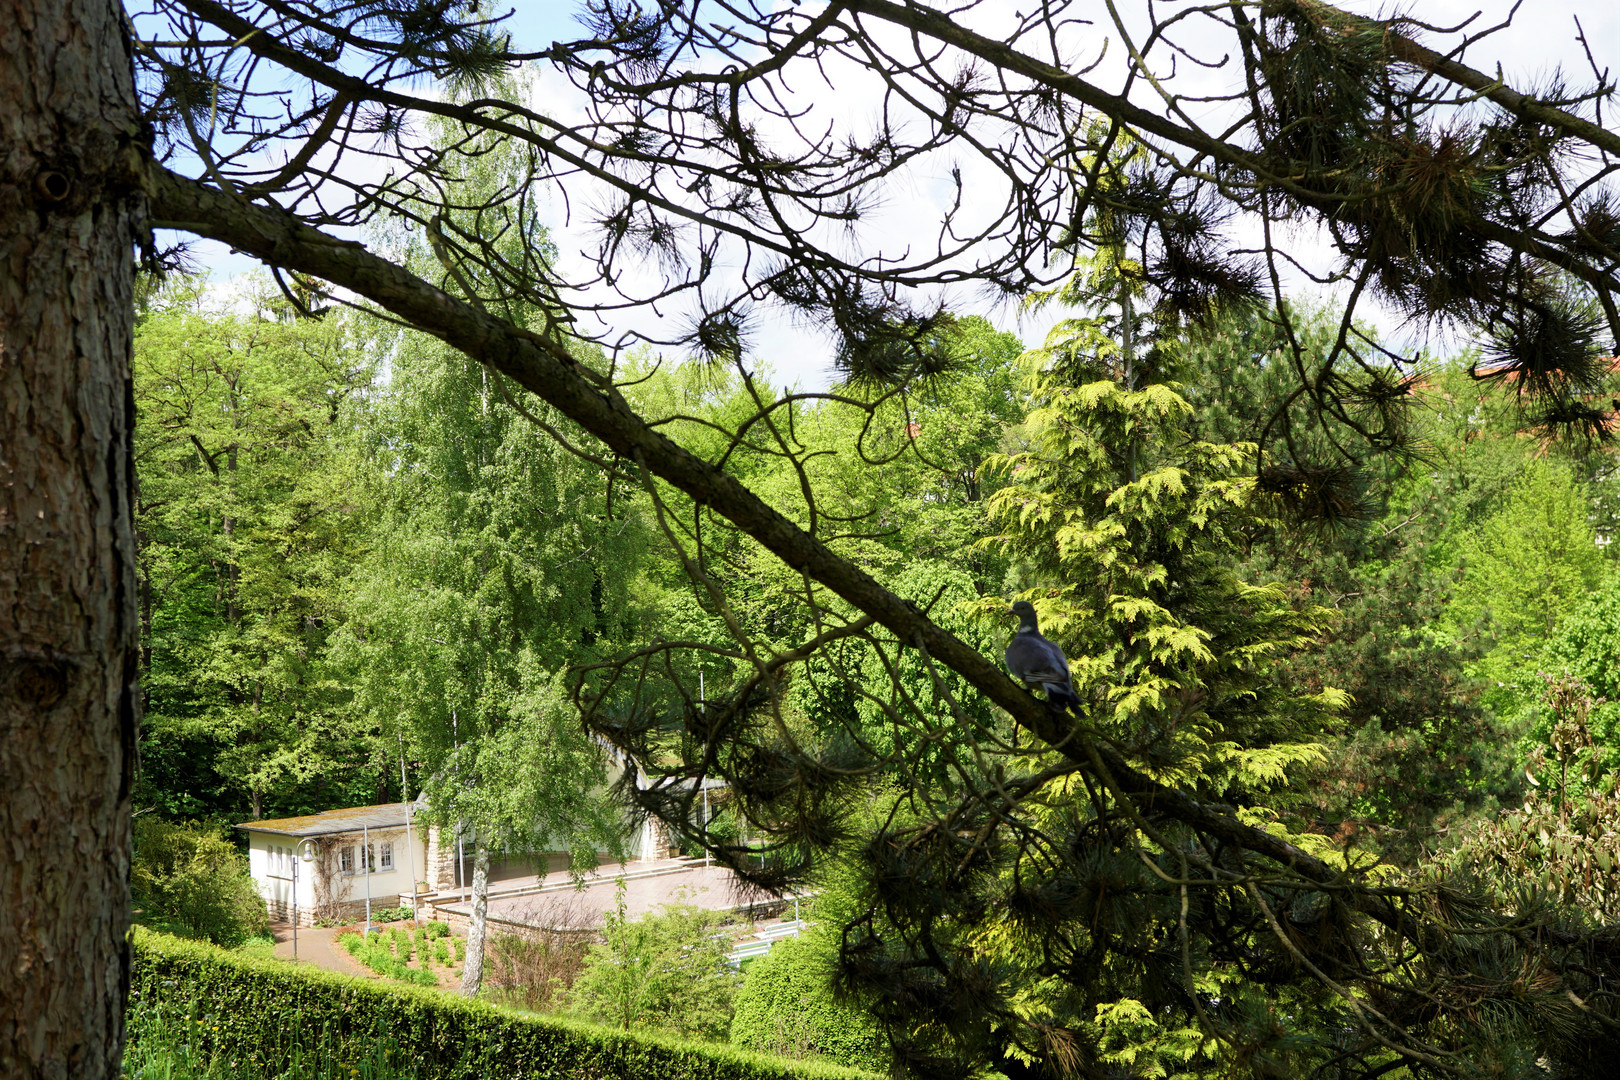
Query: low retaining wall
344,911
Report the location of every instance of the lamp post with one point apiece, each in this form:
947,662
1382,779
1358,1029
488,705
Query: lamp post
410,848
365,863
303,851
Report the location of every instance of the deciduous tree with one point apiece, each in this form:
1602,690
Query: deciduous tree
252,516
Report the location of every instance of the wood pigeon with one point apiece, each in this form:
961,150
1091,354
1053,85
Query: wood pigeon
1037,662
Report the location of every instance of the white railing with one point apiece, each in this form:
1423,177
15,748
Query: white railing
764,940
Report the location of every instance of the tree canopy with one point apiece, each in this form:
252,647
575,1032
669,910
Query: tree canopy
1047,891
718,185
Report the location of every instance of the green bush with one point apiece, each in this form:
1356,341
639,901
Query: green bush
393,914
424,949
437,928
264,1010
786,1007
192,880
667,971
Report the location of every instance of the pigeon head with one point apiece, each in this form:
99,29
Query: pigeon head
1026,614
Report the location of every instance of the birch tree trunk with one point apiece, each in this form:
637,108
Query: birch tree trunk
69,216
472,975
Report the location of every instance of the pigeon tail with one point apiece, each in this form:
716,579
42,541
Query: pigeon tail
1061,698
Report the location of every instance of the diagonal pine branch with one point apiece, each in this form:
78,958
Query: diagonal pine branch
548,370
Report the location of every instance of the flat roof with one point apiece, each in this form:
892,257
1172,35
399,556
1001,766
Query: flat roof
352,819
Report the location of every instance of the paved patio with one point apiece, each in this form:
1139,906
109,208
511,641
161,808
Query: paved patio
647,886
315,946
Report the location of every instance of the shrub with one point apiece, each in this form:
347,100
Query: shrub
786,1007
371,951
666,971
437,928
424,949
191,879
265,1010
535,968
393,914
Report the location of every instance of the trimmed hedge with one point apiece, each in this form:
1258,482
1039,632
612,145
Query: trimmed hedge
254,1007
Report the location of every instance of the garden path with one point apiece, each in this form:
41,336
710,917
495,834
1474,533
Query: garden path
315,946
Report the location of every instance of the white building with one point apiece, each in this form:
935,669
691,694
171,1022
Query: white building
333,885
335,882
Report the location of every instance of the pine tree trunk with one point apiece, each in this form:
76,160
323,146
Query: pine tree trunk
68,620
472,975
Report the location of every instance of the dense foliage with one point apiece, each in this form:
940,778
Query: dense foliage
250,522
188,879
786,1007
1139,884
1372,691
666,971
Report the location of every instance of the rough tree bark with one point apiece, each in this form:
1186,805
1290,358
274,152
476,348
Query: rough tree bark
68,618
472,975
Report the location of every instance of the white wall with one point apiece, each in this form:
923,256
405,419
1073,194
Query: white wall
270,861
349,886
647,842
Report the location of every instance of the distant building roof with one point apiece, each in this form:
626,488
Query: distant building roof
353,819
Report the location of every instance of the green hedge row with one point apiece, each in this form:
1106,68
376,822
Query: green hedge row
256,1008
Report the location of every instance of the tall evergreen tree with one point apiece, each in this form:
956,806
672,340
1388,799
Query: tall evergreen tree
69,217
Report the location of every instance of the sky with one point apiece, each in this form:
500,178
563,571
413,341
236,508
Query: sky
1542,39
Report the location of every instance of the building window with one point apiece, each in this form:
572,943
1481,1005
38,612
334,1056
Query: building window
279,861
346,859
387,855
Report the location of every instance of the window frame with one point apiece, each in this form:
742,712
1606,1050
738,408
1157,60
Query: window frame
277,865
